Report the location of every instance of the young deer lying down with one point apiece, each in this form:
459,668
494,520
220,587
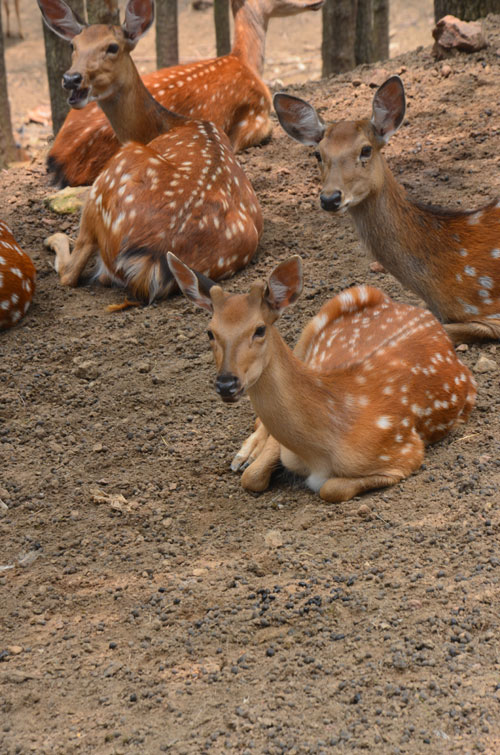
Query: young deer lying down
449,258
174,186
369,383
17,279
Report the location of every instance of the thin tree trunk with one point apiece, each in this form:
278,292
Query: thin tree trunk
103,12
58,60
467,10
339,33
8,149
380,29
167,33
222,27
363,46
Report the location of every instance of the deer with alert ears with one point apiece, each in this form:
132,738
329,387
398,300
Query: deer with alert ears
227,91
369,383
17,279
183,191
451,259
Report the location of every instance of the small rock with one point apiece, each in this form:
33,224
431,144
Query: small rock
376,267
97,447
15,649
143,367
445,70
375,78
462,347
273,539
87,370
453,35
356,82
364,511
484,364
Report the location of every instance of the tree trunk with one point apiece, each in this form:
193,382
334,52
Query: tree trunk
363,46
102,12
58,60
467,10
380,29
7,145
167,33
222,27
339,34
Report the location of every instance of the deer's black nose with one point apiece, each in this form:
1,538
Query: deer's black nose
228,387
72,80
331,202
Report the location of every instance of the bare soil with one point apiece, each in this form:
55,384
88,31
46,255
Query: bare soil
147,603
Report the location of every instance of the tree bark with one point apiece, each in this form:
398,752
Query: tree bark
102,12
467,10
222,27
167,33
339,34
380,29
363,46
8,149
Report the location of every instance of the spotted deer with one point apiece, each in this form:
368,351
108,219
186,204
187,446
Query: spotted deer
227,91
6,5
183,191
17,279
368,384
451,259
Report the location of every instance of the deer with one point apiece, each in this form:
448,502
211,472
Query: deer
174,185
6,5
450,259
17,279
227,91
369,383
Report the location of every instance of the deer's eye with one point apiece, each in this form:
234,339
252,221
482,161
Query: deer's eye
210,335
365,151
317,155
260,332
112,48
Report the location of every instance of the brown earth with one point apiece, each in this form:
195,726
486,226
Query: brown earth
148,604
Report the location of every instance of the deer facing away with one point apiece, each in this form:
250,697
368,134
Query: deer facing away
17,279
227,91
450,259
184,191
369,383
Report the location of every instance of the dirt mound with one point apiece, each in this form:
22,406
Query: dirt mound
148,603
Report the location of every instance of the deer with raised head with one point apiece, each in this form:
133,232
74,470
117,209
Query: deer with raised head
227,91
6,5
451,259
370,382
183,191
17,279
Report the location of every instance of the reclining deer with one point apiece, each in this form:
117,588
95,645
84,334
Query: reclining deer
227,91
183,191
17,279
369,383
450,259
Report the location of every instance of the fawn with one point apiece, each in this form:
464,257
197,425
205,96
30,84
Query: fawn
368,384
227,91
184,191
17,279
451,259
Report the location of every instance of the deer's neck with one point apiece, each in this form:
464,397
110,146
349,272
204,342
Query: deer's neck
402,236
132,111
293,403
250,27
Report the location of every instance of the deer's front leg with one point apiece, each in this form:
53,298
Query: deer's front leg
251,448
257,476
70,265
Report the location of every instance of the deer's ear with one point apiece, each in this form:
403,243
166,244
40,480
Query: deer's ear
195,286
284,285
60,18
139,15
389,108
299,119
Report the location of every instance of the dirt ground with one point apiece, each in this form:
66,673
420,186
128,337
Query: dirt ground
147,603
